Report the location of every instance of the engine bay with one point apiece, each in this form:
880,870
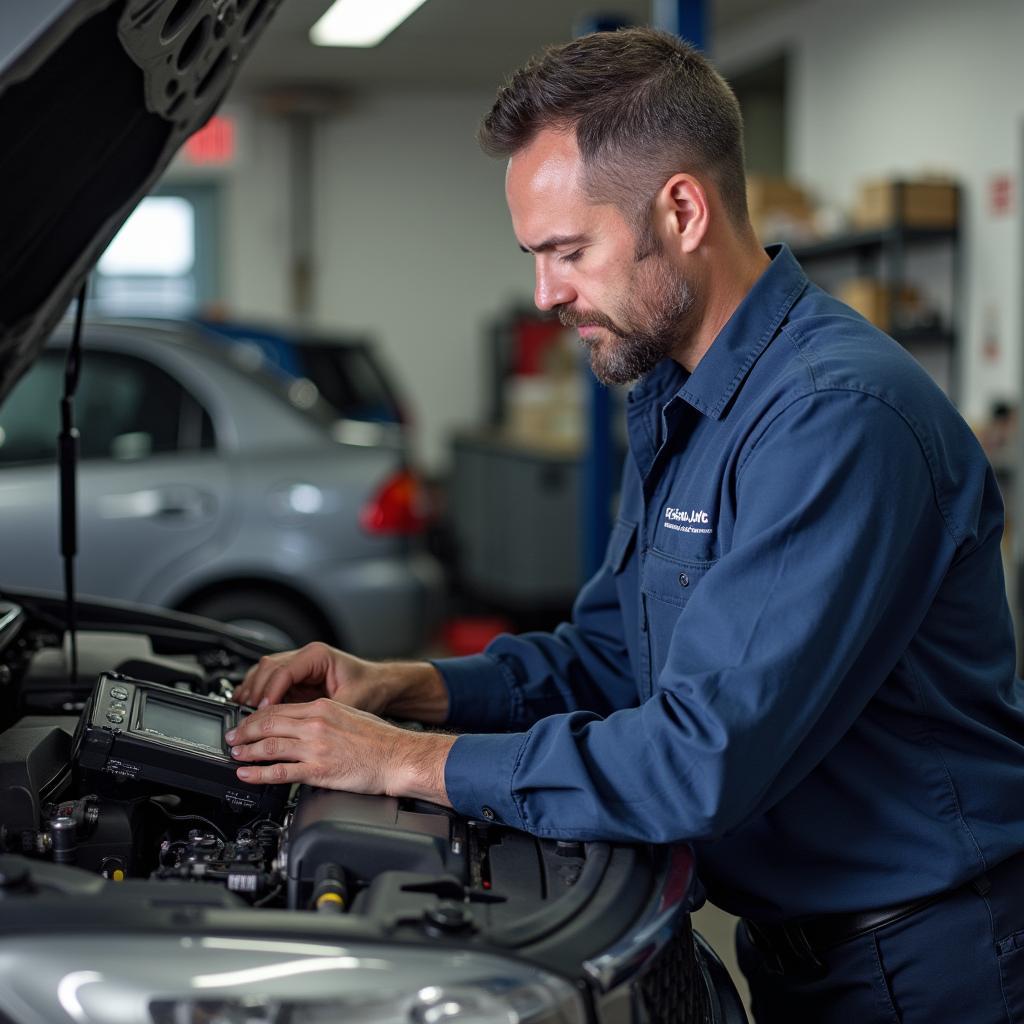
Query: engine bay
400,868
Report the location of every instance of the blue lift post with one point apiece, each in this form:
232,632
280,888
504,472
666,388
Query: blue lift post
686,18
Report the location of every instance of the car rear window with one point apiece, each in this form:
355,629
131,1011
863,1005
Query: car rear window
349,377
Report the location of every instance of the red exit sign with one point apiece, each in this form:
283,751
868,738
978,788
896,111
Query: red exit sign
213,144
1000,195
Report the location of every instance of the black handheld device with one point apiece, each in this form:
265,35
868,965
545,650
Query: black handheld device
137,735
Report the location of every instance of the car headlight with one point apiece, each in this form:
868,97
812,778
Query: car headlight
226,980
433,1005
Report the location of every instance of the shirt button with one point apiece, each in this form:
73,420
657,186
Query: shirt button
684,580
487,813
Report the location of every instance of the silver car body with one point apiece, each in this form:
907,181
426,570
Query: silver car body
274,505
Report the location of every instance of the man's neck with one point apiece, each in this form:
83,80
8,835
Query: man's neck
725,292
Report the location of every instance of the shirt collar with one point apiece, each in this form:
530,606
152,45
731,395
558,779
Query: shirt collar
745,336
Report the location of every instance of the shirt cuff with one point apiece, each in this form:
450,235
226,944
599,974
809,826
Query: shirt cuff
478,777
478,692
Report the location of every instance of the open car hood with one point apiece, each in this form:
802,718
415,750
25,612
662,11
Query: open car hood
96,97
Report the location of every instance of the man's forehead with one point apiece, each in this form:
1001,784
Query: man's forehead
542,187
549,165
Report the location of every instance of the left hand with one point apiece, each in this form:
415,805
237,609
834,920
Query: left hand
324,743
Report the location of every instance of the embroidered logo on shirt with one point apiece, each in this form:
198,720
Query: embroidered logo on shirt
686,520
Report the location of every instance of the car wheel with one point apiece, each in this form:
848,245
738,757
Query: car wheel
279,621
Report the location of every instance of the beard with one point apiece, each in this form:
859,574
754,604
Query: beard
651,325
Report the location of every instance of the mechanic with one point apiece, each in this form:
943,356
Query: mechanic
798,653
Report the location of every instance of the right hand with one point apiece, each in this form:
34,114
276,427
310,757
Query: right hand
316,670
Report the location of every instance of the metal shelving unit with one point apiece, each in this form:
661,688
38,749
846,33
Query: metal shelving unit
885,254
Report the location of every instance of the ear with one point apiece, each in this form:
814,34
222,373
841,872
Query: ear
684,212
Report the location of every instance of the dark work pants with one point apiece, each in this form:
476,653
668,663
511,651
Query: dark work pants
959,961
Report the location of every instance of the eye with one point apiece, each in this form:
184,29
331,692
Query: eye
571,257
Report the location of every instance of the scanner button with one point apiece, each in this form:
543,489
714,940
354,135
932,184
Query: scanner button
117,705
119,693
116,718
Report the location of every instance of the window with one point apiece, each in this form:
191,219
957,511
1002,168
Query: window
148,267
125,408
164,260
351,380
30,416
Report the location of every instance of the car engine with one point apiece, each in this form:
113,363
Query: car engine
110,854
402,864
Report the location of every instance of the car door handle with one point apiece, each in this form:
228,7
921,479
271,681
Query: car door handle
176,503
178,510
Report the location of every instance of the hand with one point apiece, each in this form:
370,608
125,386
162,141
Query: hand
324,743
315,670
413,690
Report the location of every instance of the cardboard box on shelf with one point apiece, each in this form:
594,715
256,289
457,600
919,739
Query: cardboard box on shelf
868,297
780,210
542,401
924,203
545,412
886,307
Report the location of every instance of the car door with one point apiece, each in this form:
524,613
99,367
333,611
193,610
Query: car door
152,488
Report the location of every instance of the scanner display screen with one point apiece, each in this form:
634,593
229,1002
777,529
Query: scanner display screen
176,722
136,737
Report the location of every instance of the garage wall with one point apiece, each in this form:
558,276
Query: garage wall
253,214
255,219
884,88
416,246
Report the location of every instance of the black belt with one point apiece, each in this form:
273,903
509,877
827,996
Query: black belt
796,947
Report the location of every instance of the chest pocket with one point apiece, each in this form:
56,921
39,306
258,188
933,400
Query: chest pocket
667,584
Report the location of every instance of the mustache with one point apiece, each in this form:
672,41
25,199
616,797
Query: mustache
569,317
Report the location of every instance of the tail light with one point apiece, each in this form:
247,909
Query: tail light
400,506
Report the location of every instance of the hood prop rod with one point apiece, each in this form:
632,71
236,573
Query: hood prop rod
67,455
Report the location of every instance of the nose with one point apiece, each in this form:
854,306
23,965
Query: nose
551,289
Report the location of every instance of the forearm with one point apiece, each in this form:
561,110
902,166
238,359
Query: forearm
417,767
415,691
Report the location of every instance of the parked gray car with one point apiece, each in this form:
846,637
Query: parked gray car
206,486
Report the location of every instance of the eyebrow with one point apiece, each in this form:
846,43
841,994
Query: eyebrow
553,242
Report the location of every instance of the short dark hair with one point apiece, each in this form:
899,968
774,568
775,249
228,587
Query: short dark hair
644,105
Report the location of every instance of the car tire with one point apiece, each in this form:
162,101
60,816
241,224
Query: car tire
279,620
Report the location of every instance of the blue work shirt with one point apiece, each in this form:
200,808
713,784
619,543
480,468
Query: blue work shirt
797,654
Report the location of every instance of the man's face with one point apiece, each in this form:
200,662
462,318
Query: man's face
631,303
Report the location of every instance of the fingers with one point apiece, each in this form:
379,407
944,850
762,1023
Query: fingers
280,720
273,748
294,735
251,689
258,775
270,679
282,734
277,682
322,743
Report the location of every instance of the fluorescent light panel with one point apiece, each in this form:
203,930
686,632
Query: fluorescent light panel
361,22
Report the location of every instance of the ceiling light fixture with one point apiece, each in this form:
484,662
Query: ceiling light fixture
361,22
